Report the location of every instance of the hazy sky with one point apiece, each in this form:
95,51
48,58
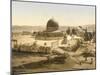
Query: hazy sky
32,14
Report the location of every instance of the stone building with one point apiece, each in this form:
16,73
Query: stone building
51,32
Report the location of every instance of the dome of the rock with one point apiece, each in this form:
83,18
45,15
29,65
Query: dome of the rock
52,25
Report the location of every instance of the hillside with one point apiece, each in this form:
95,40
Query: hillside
42,28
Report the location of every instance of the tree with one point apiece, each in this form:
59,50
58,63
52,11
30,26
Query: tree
68,31
86,37
74,31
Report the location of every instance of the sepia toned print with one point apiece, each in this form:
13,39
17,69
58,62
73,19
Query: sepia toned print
49,37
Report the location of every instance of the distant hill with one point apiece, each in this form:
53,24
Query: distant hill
27,28
41,28
89,27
